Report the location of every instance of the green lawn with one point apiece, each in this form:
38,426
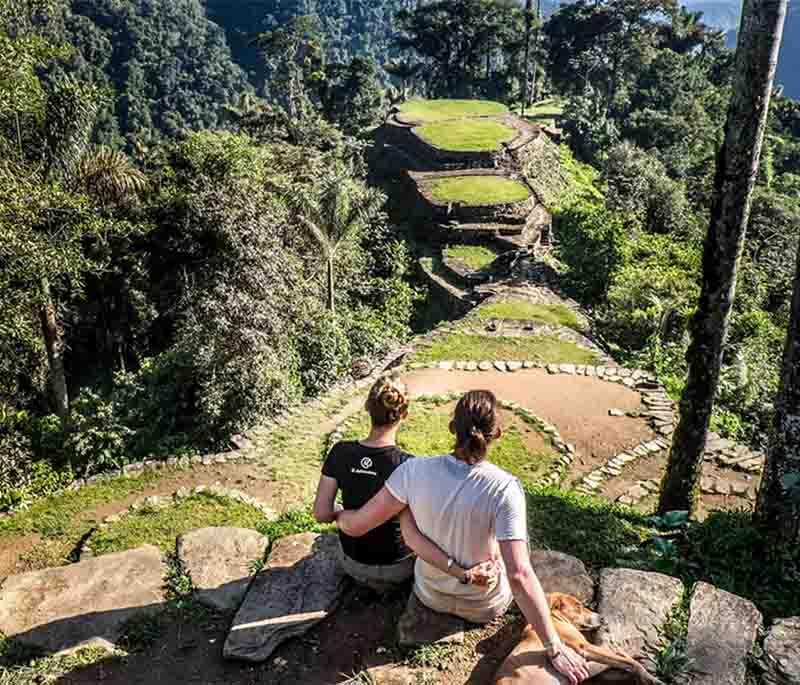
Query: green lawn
545,112
427,111
551,314
161,526
466,135
478,190
476,257
546,349
426,432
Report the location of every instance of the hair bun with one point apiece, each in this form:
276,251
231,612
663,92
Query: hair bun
391,397
388,400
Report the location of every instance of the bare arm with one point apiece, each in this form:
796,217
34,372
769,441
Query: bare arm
425,549
378,510
325,508
532,602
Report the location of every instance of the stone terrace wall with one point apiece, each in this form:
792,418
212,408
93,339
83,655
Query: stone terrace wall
428,206
402,135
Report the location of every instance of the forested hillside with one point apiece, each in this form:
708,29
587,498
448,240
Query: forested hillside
351,27
155,302
168,67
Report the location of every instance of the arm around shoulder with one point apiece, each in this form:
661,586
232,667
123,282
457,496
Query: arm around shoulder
378,510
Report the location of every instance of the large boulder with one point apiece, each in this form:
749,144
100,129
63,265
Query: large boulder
300,585
722,631
634,606
782,653
220,563
59,609
420,625
559,572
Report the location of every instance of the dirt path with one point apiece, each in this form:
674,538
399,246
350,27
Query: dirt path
30,552
578,406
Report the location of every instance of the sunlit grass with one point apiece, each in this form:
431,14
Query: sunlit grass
426,111
467,135
427,433
161,526
476,257
551,314
478,190
546,349
545,112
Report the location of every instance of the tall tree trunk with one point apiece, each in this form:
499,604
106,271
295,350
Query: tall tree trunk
526,79
778,509
737,167
331,302
54,346
534,95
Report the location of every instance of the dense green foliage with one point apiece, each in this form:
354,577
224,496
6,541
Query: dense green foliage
647,112
186,294
167,67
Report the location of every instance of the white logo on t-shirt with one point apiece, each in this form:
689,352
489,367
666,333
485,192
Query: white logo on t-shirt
366,463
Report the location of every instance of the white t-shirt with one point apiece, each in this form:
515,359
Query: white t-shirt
465,510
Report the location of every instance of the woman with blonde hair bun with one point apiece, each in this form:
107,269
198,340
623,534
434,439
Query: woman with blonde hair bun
381,559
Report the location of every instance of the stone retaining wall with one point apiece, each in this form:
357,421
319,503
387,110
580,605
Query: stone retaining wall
502,213
515,153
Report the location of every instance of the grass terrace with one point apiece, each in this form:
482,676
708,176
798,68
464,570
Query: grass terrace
545,349
523,451
550,314
161,526
428,111
478,190
466,135
545,112
476,257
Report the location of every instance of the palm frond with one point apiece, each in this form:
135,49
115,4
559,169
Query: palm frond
109,175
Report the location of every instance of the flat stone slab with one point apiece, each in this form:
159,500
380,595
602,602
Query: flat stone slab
559,572
220,561
59,609
782,653
300,585
722,631
634,605
421,626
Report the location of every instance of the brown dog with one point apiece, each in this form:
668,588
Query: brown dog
528,665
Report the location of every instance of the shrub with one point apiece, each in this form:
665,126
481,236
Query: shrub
653,293
324,351
241,369
593,242
96,438
22,476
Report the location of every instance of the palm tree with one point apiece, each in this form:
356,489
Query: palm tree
109,175
737,167
338,209
69,116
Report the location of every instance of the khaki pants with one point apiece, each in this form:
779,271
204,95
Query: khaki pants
379,578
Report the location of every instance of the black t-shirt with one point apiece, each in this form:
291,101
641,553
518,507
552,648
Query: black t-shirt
360,473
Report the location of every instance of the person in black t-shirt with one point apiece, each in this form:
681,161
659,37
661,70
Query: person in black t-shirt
359,469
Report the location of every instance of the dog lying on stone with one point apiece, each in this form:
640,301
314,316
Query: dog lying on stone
528,663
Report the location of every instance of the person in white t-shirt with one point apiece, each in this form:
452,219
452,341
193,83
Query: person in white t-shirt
461,510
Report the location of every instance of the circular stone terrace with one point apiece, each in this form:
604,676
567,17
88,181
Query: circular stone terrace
474,200
448,133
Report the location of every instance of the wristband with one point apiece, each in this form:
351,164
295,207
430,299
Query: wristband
552,648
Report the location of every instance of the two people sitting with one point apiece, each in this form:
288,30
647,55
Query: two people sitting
462,516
